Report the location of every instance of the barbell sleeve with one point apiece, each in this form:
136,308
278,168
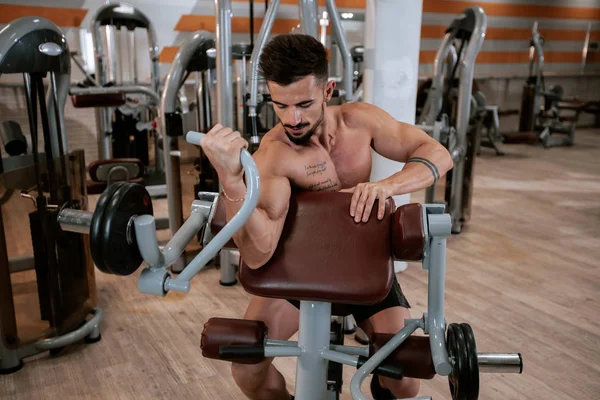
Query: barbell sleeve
77,221
500,363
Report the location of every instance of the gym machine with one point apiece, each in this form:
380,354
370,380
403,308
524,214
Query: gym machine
309,22
195,55
413,232
450,125
125,120
545,123
53,180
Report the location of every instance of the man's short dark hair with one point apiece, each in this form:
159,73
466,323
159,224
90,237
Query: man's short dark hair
291,57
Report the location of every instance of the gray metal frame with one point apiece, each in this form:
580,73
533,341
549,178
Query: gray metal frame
308,12
20,166
536,51
340,38
313,347
102,114
314,350
309,19
457,144
225,113
265,31
168,104
156,279
11,358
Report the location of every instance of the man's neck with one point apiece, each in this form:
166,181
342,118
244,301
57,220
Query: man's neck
325,132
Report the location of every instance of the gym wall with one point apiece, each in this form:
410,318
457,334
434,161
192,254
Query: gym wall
501,68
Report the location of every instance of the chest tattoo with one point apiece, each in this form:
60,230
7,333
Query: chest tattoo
315,169
323,185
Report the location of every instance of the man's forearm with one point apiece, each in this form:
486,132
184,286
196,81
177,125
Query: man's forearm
424,167
254,239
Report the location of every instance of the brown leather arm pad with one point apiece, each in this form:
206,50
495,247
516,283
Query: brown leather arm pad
227,331
413,355
98,100
408,237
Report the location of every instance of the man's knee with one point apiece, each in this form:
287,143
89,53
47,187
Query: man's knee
407,387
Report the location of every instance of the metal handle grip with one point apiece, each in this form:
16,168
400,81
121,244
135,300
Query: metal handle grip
181,283
233,352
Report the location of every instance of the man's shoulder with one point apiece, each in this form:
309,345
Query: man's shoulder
357,114
274,152
274,141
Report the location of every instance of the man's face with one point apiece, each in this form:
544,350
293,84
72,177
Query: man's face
300,106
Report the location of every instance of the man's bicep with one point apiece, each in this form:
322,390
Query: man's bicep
274,198
275,189
397,140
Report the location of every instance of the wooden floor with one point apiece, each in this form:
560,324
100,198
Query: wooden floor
525,274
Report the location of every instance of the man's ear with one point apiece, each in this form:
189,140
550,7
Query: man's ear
329,90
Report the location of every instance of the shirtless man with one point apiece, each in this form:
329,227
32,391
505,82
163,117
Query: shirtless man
336,141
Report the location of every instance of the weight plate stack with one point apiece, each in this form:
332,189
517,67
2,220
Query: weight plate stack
120,253
462,379
473,362
97,226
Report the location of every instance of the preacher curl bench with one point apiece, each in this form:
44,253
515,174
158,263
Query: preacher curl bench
322,272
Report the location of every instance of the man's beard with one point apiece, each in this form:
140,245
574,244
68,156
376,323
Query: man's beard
300,140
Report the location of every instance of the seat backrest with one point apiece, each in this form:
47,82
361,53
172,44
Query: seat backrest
323,255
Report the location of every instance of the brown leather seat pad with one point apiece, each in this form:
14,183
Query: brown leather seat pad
413,355
227,331
94,165
98,100
408,235
323,255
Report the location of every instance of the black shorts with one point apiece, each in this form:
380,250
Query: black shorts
361,313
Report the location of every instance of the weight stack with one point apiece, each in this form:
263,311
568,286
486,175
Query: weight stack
526,119
62,276
40,257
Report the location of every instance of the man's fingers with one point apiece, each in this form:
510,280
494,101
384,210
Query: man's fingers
360,205
214,129
370,200
240,140
381,207
224,132
354,202
349,190
233,136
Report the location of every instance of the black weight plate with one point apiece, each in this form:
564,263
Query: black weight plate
129,200
97,226
451,348
458,379
473,363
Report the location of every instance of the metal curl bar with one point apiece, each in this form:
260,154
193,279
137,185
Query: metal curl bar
156,279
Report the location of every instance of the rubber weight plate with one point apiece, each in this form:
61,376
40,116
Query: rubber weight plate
97,226
457,352
473,362
120,256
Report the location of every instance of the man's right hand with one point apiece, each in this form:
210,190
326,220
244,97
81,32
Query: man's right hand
222,146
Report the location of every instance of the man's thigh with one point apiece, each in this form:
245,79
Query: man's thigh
389,320
282,320
281,317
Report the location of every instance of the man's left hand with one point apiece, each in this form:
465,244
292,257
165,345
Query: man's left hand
364,197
